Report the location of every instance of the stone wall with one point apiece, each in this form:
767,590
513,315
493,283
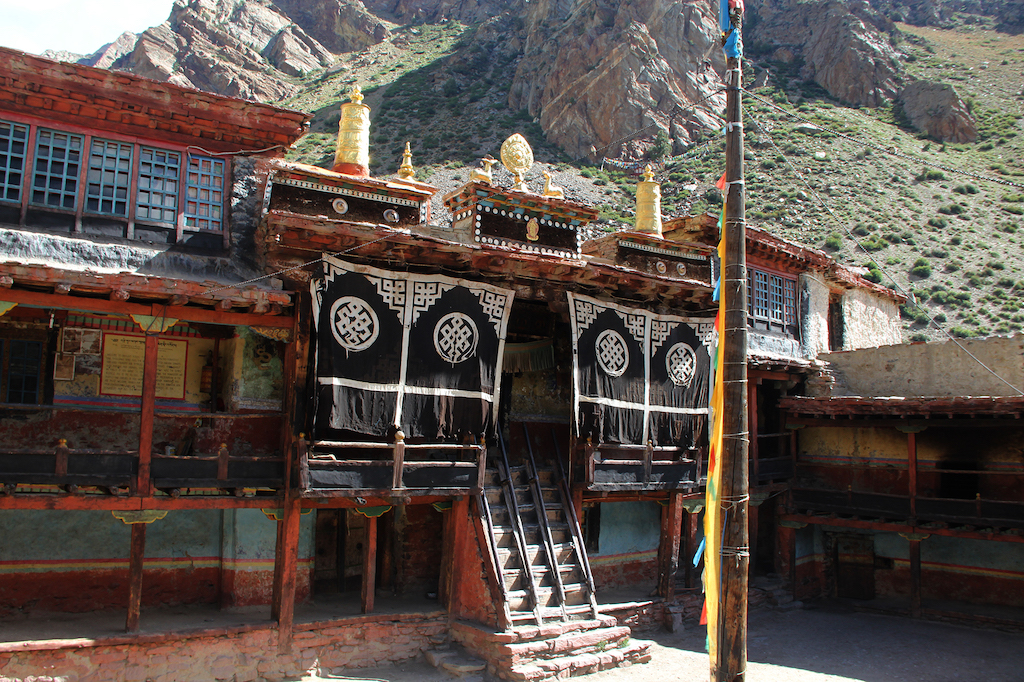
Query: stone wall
241,654
869,320
933,369
813,301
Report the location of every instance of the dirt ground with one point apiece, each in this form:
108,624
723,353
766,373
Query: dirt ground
828,644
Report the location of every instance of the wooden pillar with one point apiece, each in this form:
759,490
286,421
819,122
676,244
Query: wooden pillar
668,547
752,523
752,428
692,529
457,541
135,561
915,577
912,472
285,563
786,555
730,663
143,485
369,564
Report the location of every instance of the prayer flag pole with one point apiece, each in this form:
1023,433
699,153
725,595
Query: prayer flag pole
729,657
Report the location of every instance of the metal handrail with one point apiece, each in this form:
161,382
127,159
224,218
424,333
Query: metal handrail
574,527
492,546
542,521
508,489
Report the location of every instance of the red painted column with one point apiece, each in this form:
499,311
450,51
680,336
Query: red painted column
144,484
369,564
137,553
287,564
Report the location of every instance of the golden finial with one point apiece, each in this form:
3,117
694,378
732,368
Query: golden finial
406,171
352,155
648,204
517,157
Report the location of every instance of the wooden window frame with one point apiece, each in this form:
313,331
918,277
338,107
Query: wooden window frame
771,301
185,154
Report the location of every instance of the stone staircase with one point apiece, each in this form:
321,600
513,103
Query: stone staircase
552,650
539,557
549,613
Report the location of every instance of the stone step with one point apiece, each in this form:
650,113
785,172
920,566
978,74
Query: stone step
456,661
636,651
552,650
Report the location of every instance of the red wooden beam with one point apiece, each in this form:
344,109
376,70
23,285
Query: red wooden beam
183,313
138,551
671,533
144,486
900,527
286,563
369,564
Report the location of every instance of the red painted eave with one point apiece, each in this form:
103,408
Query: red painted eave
133,105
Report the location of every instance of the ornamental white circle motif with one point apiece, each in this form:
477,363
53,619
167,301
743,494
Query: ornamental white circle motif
353,323
456,337
681,363
612,354
340,205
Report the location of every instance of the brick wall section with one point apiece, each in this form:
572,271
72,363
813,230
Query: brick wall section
625,573
420,563
244,654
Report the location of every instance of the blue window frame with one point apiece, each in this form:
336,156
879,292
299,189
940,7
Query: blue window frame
158,181
204,193
57,165
109,178
13,141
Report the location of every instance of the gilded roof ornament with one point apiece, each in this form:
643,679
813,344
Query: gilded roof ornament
406,170
517,157
648,204
355,94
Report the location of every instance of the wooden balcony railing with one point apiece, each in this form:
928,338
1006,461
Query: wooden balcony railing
351,468
641,467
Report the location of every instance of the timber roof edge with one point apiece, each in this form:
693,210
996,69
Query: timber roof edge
135,105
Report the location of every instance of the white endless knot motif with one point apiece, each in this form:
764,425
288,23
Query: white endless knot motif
612,355
681,362
455,338
354,324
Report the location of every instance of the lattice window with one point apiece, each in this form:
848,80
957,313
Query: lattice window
57,164
775,293
771,300
760,294
13,141
22,361
789,301
159,177
204,193
109,178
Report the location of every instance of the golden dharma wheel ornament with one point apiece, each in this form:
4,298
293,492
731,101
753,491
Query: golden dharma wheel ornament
517,157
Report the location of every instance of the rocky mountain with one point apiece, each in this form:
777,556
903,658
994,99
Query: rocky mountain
887,131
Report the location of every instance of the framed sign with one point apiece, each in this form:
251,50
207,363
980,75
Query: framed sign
123,360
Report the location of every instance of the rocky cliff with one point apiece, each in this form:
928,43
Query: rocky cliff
599,72
251,49
601,77
845,47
